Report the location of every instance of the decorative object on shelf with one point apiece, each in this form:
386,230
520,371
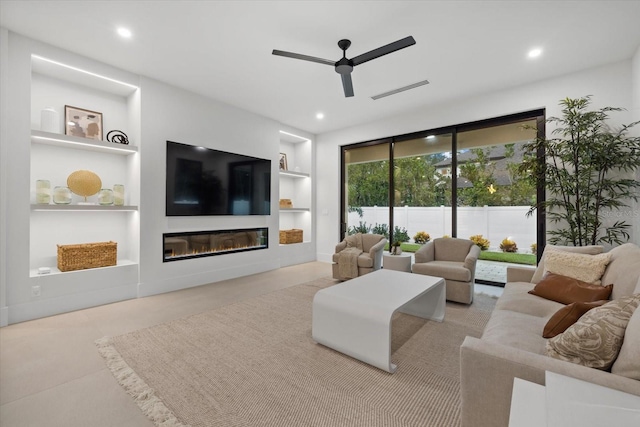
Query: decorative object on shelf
290,236
105,197
61,195
286,203
395,248
87,255
43,192
82,123
84,183
118,194
118,137
283,162
50,120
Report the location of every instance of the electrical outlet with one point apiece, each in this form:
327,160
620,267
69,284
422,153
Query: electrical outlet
35,291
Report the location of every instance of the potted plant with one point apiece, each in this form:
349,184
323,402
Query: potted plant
508,245
588,174
421,237
395,248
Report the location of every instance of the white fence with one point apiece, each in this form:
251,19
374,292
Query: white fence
493,222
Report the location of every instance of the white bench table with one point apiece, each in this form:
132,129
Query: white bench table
354,317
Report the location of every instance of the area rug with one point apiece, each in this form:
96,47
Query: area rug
254,363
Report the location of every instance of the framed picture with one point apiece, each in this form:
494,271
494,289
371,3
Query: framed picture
283,162
82,123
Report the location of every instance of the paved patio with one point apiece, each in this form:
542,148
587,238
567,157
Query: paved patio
494,271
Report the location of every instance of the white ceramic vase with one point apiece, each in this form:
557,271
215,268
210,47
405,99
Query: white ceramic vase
50,120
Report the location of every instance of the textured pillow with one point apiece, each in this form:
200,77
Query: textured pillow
567,290
628,362
567,316
588,268
540,270
596,338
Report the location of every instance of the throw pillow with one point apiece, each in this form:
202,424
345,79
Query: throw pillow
595,339
566,290
567,316
540,270
628,362
588,268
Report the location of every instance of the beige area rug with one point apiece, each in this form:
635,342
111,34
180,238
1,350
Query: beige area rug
254,363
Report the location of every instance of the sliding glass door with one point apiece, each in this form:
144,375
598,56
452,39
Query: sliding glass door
460,181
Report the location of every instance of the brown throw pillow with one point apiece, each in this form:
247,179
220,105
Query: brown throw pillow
566,290
567,316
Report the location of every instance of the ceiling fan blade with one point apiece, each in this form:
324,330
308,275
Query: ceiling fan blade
303,57
384,50
347,85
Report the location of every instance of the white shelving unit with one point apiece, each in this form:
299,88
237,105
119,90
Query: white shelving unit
296,185
54,156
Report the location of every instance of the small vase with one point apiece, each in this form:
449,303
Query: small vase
43,192
118,194
50,120
105,197
61,195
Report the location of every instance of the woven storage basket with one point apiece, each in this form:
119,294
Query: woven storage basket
290,236
87,255
286,203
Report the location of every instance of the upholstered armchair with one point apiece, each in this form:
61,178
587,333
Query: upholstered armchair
366,261
452,259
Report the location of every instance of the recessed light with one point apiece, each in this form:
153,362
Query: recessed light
320,116
534,53
124,32
431,137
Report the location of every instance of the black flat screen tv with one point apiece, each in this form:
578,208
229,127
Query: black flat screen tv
204,181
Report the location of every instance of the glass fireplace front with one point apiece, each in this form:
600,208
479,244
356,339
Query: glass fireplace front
197,244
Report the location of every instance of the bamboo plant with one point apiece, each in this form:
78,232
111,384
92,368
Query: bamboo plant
587,174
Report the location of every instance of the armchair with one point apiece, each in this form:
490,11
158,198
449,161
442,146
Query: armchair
452,259
369,260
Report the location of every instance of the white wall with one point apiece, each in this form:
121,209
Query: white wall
165,113
4,81
610,85
635,116
169,113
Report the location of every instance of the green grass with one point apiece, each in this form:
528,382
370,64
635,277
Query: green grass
528,259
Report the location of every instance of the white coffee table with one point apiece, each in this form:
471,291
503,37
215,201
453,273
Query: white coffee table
354,317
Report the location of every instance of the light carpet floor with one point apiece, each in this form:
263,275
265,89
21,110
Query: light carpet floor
254,363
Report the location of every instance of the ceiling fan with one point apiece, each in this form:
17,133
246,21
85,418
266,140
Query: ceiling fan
344,66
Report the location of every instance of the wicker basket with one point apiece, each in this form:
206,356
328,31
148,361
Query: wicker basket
290,236
87,255
286,203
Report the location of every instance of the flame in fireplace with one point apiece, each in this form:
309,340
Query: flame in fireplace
198,244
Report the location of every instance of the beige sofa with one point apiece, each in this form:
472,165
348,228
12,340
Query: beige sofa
512,344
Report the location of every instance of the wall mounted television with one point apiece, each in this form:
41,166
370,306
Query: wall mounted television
204,181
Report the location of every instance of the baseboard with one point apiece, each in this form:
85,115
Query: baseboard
146,289
64,304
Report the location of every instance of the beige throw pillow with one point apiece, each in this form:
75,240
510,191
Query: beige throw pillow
595,339
587,268
628,362
540,270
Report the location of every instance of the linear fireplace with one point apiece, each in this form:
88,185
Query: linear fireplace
197,244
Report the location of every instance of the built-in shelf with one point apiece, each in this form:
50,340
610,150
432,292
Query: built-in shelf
82,208
54,270
292,174
68,141
294,209
294,244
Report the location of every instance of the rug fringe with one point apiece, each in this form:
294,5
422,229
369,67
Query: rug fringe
136,387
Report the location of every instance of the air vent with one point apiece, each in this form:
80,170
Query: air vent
402,89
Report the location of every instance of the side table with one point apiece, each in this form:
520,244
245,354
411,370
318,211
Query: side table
400,262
